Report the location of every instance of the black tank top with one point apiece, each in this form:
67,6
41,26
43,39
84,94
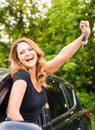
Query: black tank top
33,101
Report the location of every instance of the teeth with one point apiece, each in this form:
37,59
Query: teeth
29,59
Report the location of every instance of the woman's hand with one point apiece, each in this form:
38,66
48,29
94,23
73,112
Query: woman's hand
85,28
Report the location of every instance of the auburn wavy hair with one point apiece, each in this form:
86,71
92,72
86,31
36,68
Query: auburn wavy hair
15,64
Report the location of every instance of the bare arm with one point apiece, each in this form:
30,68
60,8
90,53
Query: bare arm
15,100
67,51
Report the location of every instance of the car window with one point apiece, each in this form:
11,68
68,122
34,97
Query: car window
3,73
69,94
56,99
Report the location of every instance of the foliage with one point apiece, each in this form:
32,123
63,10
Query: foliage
88,102
4,55
59,29
20,19
93,121
52,30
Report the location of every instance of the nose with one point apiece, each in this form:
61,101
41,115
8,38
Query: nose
27,52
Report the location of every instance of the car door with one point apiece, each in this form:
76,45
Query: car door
61,106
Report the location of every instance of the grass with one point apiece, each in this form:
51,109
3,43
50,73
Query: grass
93,121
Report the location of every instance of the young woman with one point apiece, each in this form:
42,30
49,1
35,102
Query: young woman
29,71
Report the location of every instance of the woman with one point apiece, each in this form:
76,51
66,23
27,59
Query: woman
29,71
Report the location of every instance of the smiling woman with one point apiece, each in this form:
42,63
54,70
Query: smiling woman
26,54
29,71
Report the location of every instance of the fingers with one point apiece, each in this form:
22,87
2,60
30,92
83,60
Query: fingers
84,23
84,26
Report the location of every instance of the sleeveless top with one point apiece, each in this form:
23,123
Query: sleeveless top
33,101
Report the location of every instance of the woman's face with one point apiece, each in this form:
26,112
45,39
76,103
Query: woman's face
26,54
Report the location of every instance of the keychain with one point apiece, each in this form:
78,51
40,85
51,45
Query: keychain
84,39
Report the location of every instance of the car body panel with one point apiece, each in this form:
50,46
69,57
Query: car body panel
63,110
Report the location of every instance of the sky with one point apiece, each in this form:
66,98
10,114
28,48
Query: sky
39,1
48,1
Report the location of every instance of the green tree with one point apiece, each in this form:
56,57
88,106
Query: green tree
53,30
3,55
57,28
60,27
19,18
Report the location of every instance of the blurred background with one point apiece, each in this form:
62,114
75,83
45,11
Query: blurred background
53,24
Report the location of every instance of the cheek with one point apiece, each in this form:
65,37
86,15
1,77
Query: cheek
21,58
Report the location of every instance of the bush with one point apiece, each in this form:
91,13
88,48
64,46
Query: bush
88,101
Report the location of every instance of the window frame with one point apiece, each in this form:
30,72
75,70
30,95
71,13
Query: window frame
63,85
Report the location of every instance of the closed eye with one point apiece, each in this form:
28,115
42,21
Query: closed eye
22,52
30,49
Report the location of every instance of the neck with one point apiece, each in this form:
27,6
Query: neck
32,71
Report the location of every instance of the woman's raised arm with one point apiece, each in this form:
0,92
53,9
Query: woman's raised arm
69,50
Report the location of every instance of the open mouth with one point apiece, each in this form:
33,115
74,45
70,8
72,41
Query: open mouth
29,59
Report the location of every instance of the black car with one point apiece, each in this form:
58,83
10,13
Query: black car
62,111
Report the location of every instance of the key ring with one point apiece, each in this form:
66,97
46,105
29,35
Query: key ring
84,39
